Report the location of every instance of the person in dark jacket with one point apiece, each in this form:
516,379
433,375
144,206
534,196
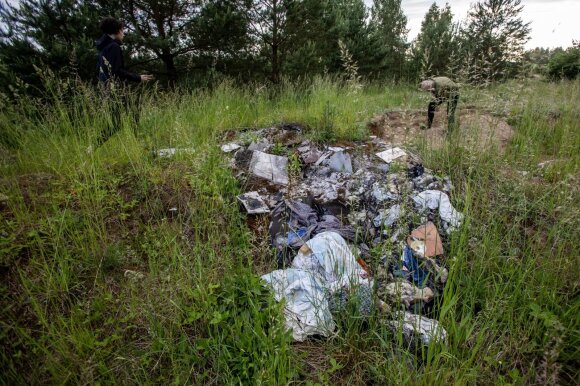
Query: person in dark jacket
113,77
443,90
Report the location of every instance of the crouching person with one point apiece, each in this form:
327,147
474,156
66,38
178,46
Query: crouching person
442,89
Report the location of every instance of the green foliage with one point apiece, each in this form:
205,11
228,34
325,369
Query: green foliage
435,45
388,34
492,41
56,35
72,224
565,65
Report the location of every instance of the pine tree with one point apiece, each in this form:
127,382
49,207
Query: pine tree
388,33
267,23
55,34
492,42
434,46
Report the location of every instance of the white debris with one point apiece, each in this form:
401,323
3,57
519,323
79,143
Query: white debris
253,203
434,199
270,167
391,155
133,275
170,152
419,326
388,218
324,264
340,162
407,293
229,147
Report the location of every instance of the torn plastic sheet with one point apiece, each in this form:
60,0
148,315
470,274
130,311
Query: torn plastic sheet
253,203
391,155
388,218
434,199
323,266
306,309
340,162
417,326
329,254
270,167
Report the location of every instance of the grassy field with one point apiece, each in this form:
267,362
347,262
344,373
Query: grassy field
194,310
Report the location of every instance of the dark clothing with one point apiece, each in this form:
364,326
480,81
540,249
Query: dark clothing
117,103
110,64
445,91
113,79
451,106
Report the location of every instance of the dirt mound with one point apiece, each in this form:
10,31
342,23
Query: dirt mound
477,128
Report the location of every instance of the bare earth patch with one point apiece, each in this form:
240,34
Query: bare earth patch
476,128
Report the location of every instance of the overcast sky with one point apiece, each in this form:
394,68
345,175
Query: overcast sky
554,22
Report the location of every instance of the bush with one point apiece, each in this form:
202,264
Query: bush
565,65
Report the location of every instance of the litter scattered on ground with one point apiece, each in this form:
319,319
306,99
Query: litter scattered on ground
229,147
426,241
418,327
434,199
361,220
253,203
323,266
270,167
391,155
133,275
172,151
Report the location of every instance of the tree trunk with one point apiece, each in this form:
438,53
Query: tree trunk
168,61
275,76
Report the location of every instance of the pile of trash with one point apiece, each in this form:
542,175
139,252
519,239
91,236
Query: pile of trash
364,220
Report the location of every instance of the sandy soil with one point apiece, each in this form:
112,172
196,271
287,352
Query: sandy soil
476,128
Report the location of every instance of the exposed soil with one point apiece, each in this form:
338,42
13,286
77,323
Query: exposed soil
476,128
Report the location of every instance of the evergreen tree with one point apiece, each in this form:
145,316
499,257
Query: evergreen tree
434,46
267,23
315,28
350,28
492,42
54,34
311,39
388,34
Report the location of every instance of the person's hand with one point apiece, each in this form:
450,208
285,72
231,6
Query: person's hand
146,78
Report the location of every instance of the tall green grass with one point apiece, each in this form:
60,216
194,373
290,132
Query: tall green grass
74,222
